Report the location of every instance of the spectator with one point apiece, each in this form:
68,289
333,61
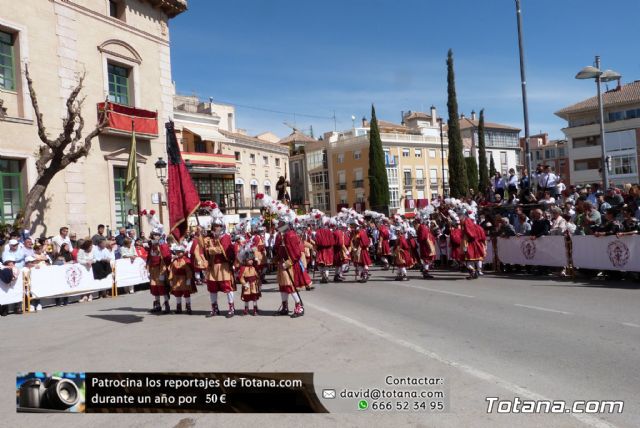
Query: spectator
521,224
27,247
95,239
8,273
64,256
506,230
525,184
74,240
131,219
558,223
121,236
614,198
548,200
610,226
512,182
141,251
60,239
498,185
31,263
540,225
591,218
15,253
128,251
86,259
41,257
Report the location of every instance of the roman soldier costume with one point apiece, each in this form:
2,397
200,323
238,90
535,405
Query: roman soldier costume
180,274
341,256
157,267
325,241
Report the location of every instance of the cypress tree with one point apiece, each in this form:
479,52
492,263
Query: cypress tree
458,185
378,181
472,172
492,167
482,156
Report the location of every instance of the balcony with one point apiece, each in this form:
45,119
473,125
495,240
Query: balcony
213,163
420,182
341,186
408,182
121,120
358,184
434,182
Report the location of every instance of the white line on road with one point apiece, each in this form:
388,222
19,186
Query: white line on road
543,309
480,374
436,291
630,324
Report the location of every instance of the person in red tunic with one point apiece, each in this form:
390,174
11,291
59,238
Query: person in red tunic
341,256
291,275
325,241
157,268
427,244
360,250
249,278
402,256
180,274
220,254
474,245
384,249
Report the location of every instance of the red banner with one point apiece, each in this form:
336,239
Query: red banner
123,117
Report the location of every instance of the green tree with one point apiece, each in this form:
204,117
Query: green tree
482,157
378,181
472,172
492,167
458,185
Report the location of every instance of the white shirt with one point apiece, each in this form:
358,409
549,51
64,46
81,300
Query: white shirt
513,181
85,258
58,241
100,254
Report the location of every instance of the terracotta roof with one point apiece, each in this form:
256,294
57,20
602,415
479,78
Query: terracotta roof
237,136
468,123
625,94
297,137
417,115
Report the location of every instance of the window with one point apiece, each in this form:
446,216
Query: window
561,152
116,9
216,188
433,177
277,161
265,160
321,201
586,164
254,192
118,84
445,175
7,70
342,180
392,176
623,165
394,198
200,146
549,153
432,153
407,177
418,153
123,203
358,183
10,189
538,155
237,155
340,157
586,142
252,158
267,189
467,153
319,180
405,153
356,154
503,158
240,195
444,154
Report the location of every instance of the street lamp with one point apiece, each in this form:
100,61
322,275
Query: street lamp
161,173
591,72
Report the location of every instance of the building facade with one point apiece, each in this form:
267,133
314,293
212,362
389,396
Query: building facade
298,175
226,165
501,142
123,46
548,152
415,153
622,136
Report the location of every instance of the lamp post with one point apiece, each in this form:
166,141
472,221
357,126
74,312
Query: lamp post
442,155
161,173
591,72
523,82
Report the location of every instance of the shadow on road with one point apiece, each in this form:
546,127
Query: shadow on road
122,319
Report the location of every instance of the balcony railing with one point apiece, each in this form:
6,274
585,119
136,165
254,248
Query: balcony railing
420,182
121,120
434,182
341,186
358,184
408,182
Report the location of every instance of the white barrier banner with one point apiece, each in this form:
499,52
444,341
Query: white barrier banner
66,280
131,272
543,251
13,292
607,252
489,257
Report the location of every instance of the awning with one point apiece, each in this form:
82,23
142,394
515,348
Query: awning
239,181
254,182
267,183
207,134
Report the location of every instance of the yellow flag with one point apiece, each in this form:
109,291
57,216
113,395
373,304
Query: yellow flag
131,188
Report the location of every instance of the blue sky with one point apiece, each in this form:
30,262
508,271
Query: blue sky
317,57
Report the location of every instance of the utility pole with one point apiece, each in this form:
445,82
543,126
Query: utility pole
523,80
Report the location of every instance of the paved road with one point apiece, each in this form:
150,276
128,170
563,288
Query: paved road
500,336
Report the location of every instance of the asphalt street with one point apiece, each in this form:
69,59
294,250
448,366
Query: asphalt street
502,336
